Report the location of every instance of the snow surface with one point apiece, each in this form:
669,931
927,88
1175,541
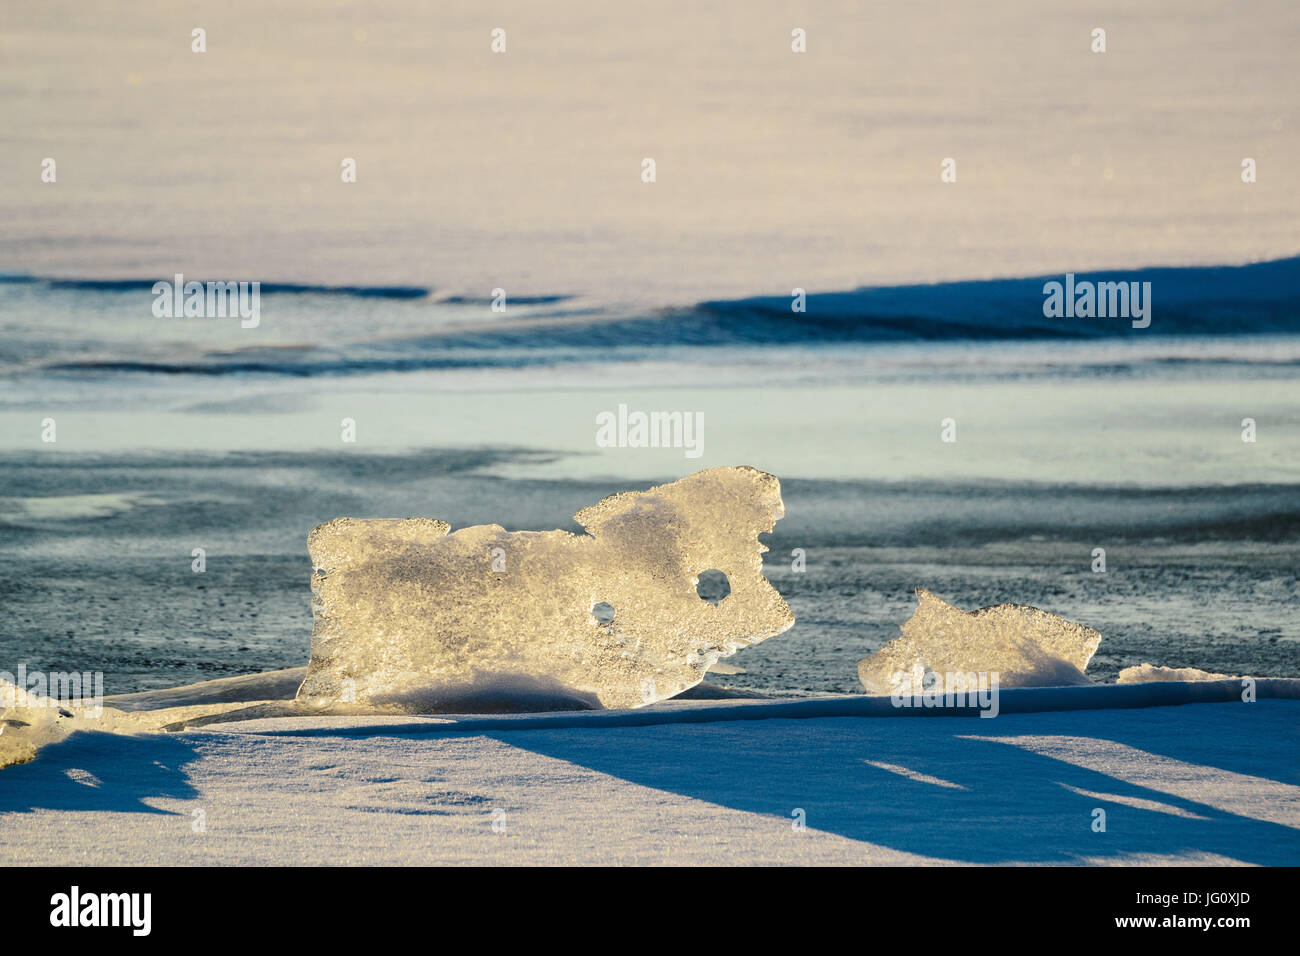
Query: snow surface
1202,783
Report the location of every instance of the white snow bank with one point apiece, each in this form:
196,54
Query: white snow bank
1024,700
1202,784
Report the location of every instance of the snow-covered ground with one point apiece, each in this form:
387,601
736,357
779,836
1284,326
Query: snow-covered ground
1201,783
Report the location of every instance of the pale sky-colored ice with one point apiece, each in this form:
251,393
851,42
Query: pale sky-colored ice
1106,433
522,170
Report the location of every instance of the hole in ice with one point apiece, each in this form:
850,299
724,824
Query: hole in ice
603,613
713,586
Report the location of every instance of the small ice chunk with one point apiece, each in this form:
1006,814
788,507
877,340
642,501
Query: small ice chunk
726,669
30,720
409,616
1024,646
1149,673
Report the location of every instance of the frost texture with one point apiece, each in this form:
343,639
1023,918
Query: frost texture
410,617
1026,647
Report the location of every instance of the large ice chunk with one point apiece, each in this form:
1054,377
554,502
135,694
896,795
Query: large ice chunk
410,617
1026,647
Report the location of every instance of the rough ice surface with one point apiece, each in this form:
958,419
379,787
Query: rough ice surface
408,617
29,721
1150,673
1026,647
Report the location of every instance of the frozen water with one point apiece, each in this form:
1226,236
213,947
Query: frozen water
29,721
1026,647
409,617
1149,673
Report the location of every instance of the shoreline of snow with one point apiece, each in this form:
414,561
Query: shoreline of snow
1019,700
1191,785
